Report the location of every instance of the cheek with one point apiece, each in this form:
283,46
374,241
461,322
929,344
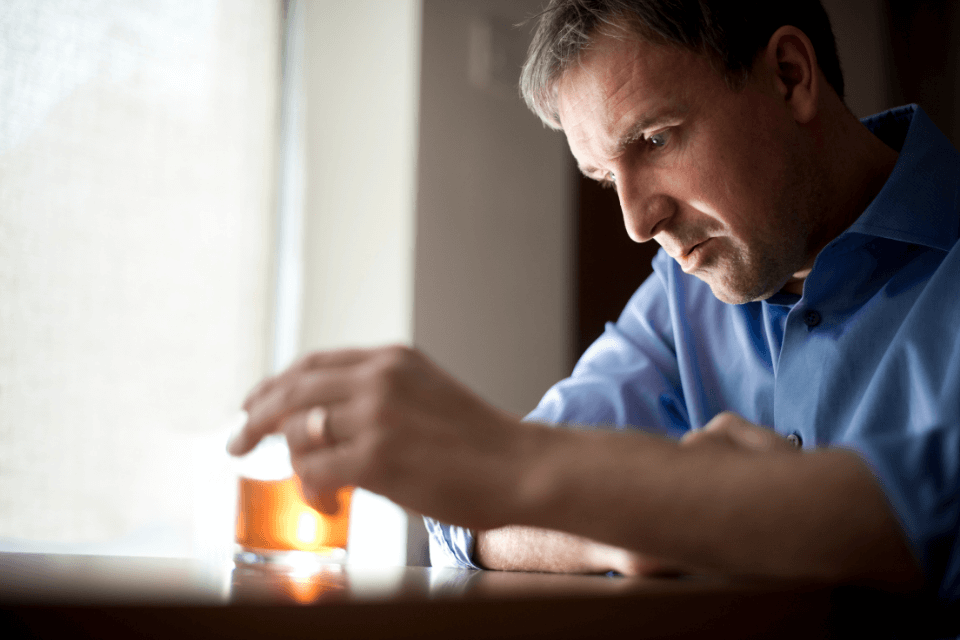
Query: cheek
745,179
747,147
714,184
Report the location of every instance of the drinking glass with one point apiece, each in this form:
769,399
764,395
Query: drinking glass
274,524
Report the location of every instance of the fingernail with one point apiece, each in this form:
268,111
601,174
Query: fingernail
235,428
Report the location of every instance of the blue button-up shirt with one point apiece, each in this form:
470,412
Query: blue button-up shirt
868,358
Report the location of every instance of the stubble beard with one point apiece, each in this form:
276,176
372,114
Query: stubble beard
745,275
754,273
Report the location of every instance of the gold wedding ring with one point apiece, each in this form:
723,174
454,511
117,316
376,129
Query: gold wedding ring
316,423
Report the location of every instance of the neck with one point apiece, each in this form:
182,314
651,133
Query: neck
856,165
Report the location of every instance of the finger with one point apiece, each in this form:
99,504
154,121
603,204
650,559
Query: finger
243,442
267,413
253,431
317,360
321,473
308,429
332,358
698,437
729,429
259,390
326,502
748,436
307,363
715,432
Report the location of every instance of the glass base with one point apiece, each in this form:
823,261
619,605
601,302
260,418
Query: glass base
281,559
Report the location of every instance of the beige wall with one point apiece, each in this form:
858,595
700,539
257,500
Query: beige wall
361,80
493,290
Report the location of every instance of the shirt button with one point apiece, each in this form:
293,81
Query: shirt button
795,439
811,318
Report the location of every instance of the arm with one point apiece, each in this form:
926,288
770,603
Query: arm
518,548
399,426
722,508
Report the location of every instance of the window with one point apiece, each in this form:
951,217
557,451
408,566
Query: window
137,182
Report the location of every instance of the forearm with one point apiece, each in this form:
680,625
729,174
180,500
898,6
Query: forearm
817,515
517,548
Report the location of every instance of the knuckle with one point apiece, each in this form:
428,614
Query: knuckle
397,357
299,390
304,362
312,360
398,350
723,420
391,375
385,380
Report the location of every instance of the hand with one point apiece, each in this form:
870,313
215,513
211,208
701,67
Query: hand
394,423
730,430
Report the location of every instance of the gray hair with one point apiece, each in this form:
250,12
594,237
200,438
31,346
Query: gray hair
730,33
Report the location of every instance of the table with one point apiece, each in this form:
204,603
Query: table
54,596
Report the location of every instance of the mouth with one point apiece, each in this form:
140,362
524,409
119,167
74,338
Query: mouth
692,256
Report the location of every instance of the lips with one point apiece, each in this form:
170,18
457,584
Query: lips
690,248
691,256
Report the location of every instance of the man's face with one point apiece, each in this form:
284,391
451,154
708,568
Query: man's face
715,176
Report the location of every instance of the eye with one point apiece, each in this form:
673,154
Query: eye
658,140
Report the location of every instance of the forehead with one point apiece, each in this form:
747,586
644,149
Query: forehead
623,82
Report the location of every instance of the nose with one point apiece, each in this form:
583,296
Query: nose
644,210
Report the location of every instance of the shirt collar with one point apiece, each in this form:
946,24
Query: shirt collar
919,202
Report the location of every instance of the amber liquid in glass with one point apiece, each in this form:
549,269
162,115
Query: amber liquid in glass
273,516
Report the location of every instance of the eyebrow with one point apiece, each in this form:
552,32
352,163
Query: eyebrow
649,121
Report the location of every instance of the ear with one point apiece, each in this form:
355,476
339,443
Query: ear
790,55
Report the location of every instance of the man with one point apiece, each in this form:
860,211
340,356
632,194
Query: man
807,282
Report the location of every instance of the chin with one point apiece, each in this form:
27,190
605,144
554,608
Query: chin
744,277
731,297
740,292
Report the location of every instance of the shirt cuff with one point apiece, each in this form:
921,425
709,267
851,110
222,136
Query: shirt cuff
450,546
